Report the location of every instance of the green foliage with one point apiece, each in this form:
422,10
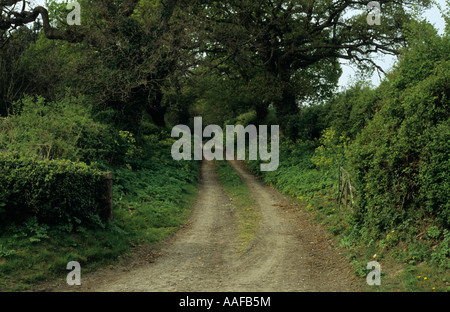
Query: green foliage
400,161
426,49
153,194
351,110
15,77
49,67
433,180
126,145
312,121
331,150
441,255
433,232
219,99
68,128
297,174
64,129
245,119
55,192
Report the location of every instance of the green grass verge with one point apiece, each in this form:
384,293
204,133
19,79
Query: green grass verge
247,211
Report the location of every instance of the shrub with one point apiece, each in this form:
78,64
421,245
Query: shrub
55,192
54,130
351,110
400,161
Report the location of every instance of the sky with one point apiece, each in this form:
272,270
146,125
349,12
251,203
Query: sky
386,62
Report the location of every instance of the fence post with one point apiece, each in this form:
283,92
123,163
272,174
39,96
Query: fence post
339,186
345,188
109,207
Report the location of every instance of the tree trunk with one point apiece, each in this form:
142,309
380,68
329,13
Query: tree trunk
286,105
261,109
285,102
155,109
288,114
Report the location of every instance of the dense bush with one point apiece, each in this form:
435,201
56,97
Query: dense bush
44,147
52,191
351,110
68,128
64,129
400,161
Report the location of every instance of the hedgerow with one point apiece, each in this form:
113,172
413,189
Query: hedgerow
53,191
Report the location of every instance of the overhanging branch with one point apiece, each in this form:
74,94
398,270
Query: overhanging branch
12,19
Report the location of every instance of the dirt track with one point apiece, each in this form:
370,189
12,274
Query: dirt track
289,253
